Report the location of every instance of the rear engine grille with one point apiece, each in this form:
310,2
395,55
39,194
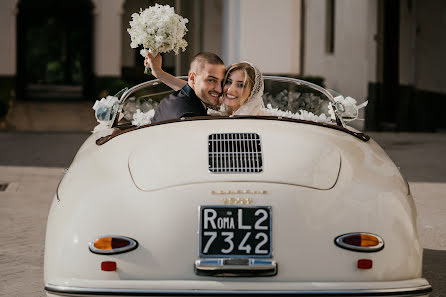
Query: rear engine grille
235,152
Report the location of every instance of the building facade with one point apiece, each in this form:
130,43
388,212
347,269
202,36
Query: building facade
387,52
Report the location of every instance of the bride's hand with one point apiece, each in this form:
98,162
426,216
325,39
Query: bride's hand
155,63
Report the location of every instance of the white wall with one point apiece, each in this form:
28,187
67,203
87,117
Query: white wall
263,32
353,64
8,14
107,37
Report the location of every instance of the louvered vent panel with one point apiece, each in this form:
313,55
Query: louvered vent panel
235,152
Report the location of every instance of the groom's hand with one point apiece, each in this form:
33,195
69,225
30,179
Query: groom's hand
155,63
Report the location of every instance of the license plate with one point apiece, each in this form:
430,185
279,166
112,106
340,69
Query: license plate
231,231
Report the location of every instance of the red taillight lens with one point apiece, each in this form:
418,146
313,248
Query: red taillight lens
112,244
361,242
108,266
119,243
365,264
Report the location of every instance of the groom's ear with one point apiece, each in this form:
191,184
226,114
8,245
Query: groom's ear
192,76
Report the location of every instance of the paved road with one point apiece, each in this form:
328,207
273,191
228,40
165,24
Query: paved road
32,165
55,149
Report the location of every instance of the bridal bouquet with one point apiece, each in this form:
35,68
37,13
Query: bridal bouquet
158,29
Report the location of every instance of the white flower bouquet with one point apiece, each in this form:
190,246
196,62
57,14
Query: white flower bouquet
158,29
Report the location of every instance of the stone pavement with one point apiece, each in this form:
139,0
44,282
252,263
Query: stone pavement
24,209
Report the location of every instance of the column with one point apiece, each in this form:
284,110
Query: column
108,37
8,51
8,14
231,31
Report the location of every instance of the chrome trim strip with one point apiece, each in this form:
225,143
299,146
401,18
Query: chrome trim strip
133,245
77,291
340,243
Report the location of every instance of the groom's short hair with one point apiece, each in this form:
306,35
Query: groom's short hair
200,59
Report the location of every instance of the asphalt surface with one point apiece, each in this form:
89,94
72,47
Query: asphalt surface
41,149
421,157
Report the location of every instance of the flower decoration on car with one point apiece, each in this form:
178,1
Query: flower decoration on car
139,111
105,112
345,108
142,118
300,115
158,29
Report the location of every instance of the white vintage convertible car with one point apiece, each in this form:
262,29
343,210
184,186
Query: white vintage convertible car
294,202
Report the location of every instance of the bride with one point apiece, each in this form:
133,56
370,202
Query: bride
242,87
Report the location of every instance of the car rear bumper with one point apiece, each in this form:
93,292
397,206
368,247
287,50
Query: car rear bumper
416,287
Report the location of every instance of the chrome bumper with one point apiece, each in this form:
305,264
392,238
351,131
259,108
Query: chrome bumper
235,267
52,290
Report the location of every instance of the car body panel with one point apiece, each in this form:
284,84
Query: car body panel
148,184
316,163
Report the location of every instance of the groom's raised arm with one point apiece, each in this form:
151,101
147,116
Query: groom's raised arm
157,71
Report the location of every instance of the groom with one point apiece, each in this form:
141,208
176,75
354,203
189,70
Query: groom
203,88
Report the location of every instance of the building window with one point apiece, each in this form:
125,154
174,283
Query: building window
330,26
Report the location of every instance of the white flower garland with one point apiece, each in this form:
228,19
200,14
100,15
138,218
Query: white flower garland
300,115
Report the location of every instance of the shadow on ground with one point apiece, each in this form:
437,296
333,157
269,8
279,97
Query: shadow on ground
434,263
38,149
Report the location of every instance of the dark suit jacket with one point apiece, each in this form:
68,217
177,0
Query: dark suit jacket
182,103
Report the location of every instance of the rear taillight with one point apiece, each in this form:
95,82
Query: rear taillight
360,242
112,244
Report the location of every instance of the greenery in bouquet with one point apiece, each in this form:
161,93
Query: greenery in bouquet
158,29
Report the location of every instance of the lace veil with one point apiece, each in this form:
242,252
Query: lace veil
254,104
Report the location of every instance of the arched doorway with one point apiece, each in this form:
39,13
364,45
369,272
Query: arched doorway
54,43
